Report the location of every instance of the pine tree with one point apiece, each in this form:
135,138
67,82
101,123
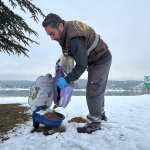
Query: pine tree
13,28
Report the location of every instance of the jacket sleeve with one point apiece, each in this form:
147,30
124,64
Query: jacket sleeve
79,52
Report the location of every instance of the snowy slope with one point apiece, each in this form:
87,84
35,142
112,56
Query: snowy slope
128,127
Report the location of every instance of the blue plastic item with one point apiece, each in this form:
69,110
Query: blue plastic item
40,119
62,97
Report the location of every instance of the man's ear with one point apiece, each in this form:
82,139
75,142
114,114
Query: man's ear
61,27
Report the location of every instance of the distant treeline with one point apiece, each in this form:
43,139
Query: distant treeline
22,87
81,84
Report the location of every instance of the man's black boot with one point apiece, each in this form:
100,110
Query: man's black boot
89,127
103,117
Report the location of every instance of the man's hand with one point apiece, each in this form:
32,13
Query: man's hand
61,83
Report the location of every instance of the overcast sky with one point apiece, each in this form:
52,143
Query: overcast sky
123,25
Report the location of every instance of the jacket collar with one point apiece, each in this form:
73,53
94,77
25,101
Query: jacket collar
63,34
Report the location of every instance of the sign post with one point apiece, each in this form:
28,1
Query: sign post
147,83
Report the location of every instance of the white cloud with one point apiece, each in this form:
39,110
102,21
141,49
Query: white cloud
123,25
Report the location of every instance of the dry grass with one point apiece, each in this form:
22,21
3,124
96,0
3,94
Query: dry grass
11,115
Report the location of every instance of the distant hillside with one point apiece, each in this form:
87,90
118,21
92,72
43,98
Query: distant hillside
131,87
21,87
126,85
81,84
15,84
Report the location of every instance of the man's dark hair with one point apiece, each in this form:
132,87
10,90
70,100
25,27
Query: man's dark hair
53,20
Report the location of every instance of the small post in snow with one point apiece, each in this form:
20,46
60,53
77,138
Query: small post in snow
147,83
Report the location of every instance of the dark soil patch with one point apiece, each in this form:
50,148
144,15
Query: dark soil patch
45,129
77,120
11,115
60,129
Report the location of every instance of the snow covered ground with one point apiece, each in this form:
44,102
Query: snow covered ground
127,128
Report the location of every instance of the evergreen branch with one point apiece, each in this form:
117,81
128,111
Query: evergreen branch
13,27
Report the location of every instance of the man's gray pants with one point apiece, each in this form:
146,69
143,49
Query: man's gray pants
96,86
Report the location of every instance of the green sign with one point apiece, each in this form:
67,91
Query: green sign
147,82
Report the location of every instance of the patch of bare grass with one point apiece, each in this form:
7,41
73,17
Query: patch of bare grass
11,115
